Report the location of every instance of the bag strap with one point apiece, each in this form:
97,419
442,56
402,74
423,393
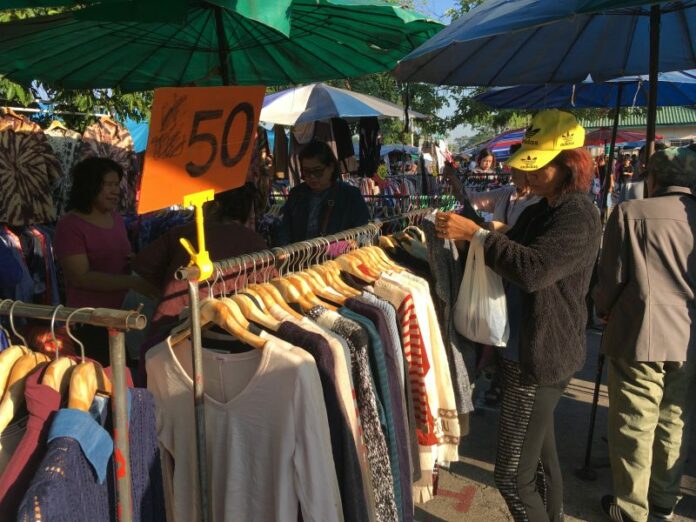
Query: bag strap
328,210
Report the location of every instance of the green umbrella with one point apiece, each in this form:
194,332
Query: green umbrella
214,45
274,13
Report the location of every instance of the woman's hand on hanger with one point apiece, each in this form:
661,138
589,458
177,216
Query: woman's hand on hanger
453,226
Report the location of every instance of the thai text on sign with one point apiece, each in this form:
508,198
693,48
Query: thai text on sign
201,138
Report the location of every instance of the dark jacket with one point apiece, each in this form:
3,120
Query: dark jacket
349,211
550,254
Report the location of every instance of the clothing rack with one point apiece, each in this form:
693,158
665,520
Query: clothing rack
291,255
117,321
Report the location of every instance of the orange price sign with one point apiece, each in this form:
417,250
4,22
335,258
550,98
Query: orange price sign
201,138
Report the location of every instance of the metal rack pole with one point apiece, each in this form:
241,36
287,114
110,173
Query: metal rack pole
119,406
199,398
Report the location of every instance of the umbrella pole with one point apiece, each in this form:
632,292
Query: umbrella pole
652,95
609,165
223,49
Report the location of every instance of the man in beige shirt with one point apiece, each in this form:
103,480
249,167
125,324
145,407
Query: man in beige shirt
646,292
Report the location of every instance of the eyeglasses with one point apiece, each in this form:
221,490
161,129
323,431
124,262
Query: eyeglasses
316,172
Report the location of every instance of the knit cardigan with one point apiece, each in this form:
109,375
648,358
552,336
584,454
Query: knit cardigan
549,254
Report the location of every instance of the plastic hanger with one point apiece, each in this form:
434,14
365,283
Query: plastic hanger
58,371
87,378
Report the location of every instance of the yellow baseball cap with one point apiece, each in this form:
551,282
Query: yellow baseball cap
550,132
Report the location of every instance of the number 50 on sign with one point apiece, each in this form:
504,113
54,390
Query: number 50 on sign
200,138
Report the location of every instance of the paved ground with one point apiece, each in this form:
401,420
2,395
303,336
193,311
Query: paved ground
467,491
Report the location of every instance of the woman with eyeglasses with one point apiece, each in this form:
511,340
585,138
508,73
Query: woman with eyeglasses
322,204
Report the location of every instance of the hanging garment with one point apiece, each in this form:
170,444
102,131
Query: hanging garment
65,144
393,324
28,170
446,270
377,450
109,139
369,146
323,132
446,421
383,359
42,402
348,398
10,439
75,480
267,435
15,280
280,153
345,453
343,137
422,383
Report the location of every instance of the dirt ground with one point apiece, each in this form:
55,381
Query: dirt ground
467,491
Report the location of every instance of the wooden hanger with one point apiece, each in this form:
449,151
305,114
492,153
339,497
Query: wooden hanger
291,294
87,378
332,270
352,265
229,317
320,288
252,313
8,357
58,373
308,284
13,397
271,295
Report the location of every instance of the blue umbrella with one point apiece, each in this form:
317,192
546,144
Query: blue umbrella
511,42
674,89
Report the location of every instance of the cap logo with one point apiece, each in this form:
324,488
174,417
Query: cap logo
567,139
531,132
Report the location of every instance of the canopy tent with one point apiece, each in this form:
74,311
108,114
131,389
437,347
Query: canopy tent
214,45
500,145
319,101
603,136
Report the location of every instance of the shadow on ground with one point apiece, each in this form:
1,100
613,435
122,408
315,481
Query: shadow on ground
467,492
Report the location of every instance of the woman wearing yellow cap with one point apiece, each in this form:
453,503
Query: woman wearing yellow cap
546,261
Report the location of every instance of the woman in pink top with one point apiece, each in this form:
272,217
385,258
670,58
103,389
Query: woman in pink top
92,247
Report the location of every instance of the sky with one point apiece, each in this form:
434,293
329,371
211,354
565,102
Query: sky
437,10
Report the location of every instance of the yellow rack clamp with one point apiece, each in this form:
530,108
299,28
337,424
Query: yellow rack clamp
200,259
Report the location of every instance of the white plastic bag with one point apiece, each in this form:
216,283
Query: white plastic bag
480,313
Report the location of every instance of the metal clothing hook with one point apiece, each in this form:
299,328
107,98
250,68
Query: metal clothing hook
70,334
53,330
12,325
